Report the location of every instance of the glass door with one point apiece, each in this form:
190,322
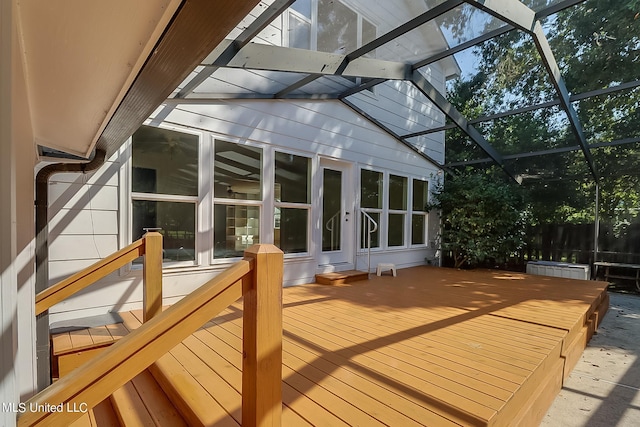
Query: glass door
337,216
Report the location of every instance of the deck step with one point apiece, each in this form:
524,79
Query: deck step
341,277
72,348
102,414
142,402
191,398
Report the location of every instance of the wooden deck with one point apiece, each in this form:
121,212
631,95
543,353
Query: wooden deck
432,346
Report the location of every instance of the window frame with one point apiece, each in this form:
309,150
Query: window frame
313,26
161,197
380,211
404,212
422,213
259,203
295,205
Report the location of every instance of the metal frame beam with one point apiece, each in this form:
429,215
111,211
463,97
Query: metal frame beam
427,16
481,39
428,90
553,103
523,18
547,152
391,133
257,56
229,49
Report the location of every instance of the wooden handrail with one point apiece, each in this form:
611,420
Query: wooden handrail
258,276
80,280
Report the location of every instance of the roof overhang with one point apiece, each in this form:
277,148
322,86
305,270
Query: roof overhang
96,70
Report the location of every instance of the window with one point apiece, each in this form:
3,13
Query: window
327,26
164,187
397,210
337,27
237,189
371,203
419,214
292,202
300,24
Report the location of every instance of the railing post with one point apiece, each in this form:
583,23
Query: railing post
152,280
262,339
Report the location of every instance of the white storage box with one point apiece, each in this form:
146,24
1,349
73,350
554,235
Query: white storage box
559,269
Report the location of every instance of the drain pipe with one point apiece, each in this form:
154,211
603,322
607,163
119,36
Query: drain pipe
42,254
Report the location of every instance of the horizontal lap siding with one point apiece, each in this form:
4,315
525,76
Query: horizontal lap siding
83,218
328,128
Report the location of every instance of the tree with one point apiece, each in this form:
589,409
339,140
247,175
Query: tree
595,44
482,216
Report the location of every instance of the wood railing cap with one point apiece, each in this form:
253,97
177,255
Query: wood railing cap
263,248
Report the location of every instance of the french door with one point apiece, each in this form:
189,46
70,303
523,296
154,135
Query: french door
338,220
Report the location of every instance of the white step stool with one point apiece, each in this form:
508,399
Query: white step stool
386,266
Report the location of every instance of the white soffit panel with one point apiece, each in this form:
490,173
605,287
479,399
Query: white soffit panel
80,59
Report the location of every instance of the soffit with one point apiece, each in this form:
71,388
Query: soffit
80,57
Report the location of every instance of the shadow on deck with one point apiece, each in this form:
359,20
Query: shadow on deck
432,346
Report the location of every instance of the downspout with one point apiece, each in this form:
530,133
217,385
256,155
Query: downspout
42,254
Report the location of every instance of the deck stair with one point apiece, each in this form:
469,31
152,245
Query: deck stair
74,343
341,277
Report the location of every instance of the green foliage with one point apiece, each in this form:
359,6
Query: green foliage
596,45
482,216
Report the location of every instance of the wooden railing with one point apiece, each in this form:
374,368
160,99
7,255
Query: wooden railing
258,277
150,246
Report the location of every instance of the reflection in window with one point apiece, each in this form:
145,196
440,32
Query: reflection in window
327,26
337,27
397,210
419,216
293,202
397,192
331,210
237,171
420,194
396,230
371,202
236,227
299,32
292,178
371,189
164,185
177,221
164,162
418,229
290,230
366,226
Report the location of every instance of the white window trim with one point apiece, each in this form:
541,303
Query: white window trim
265,235
416,212
404,212
382,230
308,206
128,196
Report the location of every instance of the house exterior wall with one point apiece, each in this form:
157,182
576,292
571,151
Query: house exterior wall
91,214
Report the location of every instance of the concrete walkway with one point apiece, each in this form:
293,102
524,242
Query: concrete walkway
604,388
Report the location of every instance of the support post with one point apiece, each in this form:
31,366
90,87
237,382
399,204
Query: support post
596,224
262,339
152,276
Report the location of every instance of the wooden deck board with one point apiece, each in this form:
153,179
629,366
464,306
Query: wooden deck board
431,346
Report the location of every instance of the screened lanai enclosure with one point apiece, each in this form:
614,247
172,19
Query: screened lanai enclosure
541,94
